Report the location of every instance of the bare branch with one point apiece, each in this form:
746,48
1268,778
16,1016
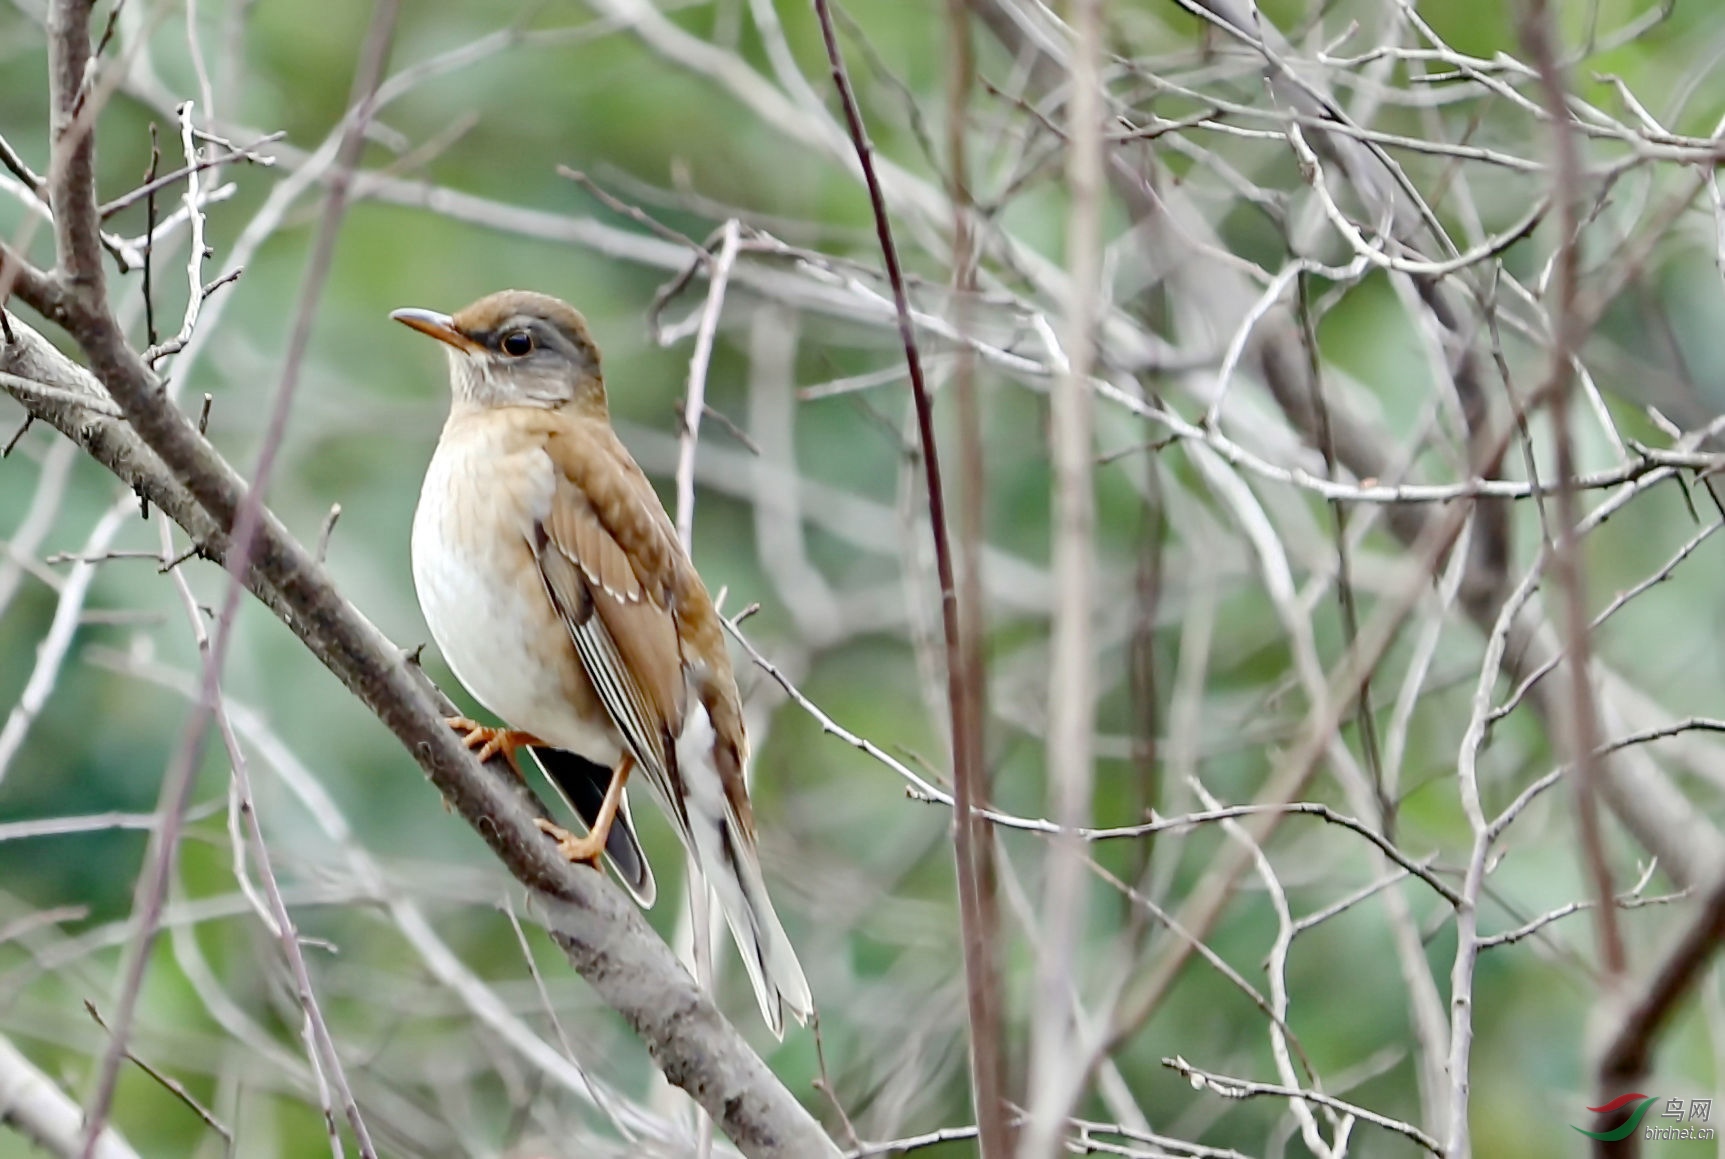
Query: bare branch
1057,1071
45,1115
982,988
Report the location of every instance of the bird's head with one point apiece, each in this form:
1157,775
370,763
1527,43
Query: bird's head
516,348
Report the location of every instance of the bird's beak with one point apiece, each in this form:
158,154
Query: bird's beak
439,326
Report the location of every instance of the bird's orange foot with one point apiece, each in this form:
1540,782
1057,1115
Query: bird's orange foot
586,849
491,741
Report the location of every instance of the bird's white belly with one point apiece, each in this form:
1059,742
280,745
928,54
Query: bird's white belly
482,599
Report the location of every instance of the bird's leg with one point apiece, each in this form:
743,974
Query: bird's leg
491,741
589,848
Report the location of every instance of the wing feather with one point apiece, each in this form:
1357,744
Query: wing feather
626,638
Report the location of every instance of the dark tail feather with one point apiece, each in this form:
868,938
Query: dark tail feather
582,784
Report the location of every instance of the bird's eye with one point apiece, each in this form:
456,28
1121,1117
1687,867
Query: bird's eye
517,343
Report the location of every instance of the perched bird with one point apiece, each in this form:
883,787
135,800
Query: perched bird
557,590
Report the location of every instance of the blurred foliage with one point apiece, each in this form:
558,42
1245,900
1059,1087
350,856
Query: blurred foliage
862,874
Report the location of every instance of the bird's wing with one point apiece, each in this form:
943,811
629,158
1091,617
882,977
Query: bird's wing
597,556
650,640
628,506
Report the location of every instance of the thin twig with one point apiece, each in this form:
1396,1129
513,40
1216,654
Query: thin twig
325,532
1058,1074
271,908
170,1084
695,393
1233,1088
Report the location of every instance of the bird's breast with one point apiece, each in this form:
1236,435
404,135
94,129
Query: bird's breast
480,589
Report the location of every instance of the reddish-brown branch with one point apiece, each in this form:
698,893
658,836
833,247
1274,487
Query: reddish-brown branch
1567,333
982,987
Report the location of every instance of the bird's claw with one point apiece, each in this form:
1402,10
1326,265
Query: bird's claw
574,848
489,741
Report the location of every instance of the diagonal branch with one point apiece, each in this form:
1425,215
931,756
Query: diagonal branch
32,1104
606,939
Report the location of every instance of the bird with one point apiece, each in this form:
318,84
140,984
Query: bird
559,593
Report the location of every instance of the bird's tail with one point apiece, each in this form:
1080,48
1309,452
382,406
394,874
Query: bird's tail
725,850
729,864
